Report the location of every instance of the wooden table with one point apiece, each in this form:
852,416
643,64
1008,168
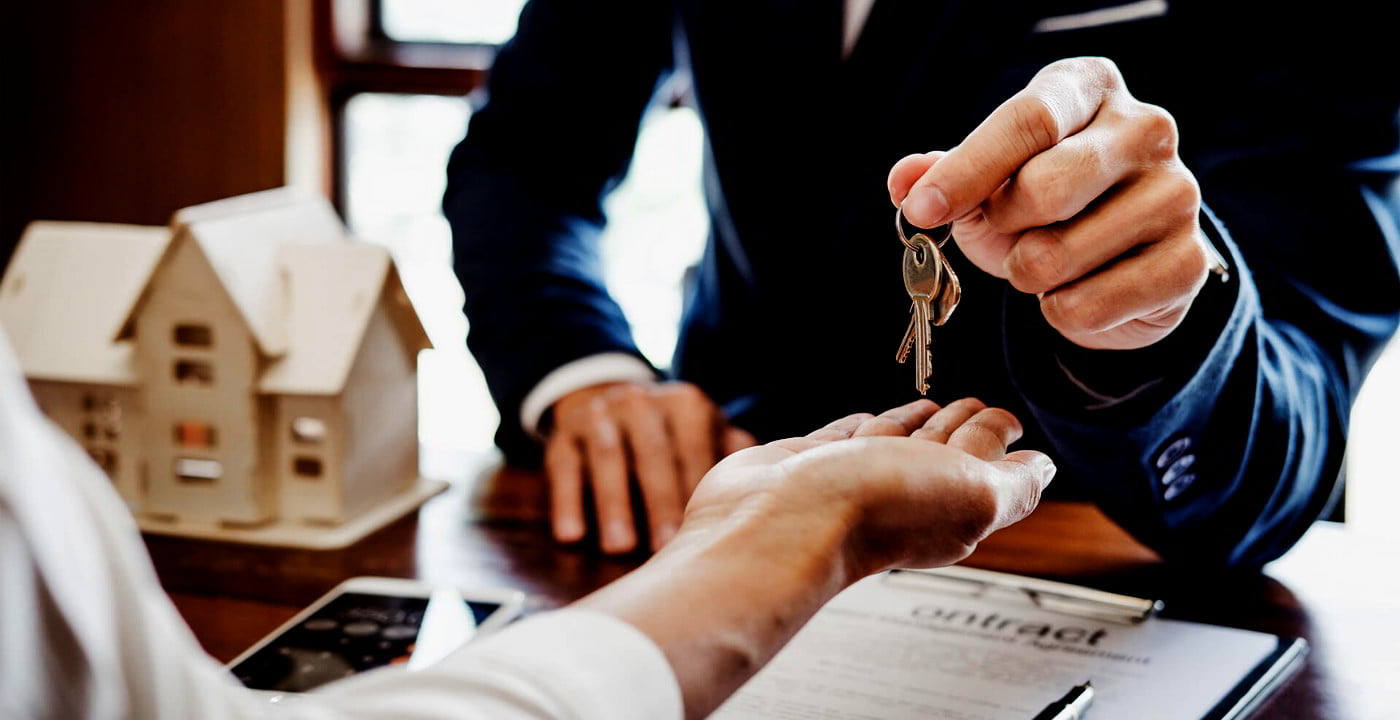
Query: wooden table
1338,589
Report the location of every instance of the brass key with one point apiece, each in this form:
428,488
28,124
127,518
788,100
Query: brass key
923,279
934,292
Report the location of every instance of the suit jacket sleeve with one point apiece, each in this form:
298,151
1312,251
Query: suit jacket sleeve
524,191
1229,441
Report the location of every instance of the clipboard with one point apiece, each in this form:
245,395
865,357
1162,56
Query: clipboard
981,645
1268,676
1271,673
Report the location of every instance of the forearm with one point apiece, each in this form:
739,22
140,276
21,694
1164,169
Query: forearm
524,190
1229,460
749,586
533,288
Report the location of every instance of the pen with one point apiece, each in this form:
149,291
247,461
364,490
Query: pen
1071,706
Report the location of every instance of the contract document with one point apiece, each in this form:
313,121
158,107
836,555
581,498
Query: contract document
883,650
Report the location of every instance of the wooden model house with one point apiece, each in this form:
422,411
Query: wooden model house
248,373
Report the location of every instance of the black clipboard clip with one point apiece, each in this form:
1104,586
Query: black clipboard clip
1057,597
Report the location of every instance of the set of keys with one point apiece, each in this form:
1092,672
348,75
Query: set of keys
933,289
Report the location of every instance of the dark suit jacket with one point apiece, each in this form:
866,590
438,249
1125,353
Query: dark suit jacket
1230,441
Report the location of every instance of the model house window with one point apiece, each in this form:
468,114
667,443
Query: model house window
198,470
191,335
109,413
308,431
103,417
105,459
196,435
194,372
307,467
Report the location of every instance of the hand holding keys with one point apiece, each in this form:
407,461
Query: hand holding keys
934,290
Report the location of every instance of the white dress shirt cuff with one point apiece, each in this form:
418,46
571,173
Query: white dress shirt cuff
588,664
577,375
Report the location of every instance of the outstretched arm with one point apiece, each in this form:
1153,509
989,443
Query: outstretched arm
770,535
783,527
1208,416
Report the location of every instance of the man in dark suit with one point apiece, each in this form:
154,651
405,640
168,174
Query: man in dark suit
1205,413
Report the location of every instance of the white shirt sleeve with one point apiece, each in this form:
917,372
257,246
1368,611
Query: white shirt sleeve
86,633
577,375
576,664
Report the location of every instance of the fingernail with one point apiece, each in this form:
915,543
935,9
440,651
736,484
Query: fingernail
569,530
930,204
616,537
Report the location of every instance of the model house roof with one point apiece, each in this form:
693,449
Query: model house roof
241,237
334,290
67,293
306,292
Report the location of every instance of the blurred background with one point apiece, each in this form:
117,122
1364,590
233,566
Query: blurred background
125,112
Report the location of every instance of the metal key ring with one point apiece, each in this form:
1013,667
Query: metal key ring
899,221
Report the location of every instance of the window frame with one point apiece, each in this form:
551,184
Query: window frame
356,56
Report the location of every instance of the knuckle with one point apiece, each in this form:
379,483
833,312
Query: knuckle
1075,312
1101,70
633,408
627,394
1157,129
692,395
1192,263
600,434
1183,196
1089,72
971,403
1036,264
594,412
1048,190
605,443
1003,418
926,433
1001,423
1036,122
981,427
682,395
880,425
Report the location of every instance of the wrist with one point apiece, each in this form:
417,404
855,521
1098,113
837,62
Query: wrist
775,537
585,372
1120,385
774,570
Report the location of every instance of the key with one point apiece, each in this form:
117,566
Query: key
908,341
934,292
949,295
947,301
923,280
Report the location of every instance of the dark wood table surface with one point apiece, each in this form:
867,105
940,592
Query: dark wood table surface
1338,589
